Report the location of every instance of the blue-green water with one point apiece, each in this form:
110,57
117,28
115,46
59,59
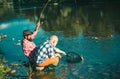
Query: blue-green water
101,56
91,31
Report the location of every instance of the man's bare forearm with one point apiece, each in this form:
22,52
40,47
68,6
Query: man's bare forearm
60,51
37,27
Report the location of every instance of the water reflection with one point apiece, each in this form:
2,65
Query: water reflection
98,21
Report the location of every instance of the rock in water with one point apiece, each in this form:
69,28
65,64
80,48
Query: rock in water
73,57
3,36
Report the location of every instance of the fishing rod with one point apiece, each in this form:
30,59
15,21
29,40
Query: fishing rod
41,13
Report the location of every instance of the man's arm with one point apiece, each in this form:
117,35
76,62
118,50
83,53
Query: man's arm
37,27
60,51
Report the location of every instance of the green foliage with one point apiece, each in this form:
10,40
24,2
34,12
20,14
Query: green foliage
3,68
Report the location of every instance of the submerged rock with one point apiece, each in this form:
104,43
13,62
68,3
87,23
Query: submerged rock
73,57
14,65
11,71
3,36
13,39
18,44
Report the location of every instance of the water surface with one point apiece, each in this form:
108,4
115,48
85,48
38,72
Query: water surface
92,31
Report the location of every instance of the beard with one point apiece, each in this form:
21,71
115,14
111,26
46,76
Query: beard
29,39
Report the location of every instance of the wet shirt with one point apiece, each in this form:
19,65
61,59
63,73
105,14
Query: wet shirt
29,46
46,50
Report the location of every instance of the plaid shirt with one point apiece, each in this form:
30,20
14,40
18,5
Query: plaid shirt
46,50
29,46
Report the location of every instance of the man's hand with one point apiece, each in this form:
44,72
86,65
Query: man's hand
37,27
38,24
58,55
63,53
60,51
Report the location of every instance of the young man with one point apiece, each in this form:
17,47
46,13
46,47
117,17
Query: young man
48,54
29,47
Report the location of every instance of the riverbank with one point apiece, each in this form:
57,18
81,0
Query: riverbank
3,68
6,71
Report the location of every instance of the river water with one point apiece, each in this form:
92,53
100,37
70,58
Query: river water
91,30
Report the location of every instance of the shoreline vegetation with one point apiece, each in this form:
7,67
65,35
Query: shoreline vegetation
4,69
